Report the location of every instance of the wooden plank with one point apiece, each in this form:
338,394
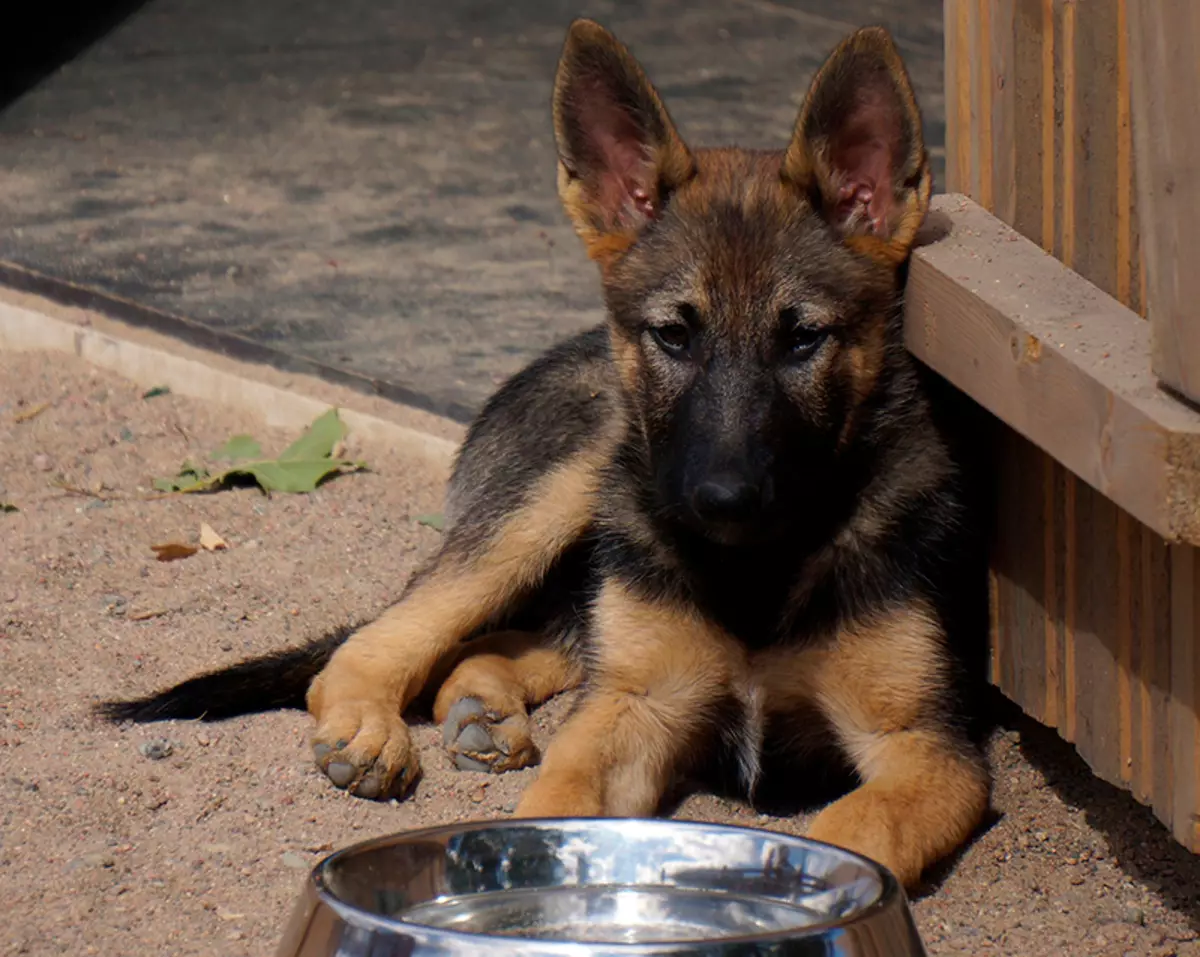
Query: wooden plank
1185,694
1124,624
1066,148
1049,123
1097,733
1070,666
1032,117
1001,40
1163,38
1152,781
1018,560
1123,289
1095,149
1053,593
956,15
1056,359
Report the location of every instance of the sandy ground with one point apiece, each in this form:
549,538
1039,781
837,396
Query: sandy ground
105,850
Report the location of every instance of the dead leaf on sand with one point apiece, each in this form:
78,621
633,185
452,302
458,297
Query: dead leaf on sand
210,541
173,551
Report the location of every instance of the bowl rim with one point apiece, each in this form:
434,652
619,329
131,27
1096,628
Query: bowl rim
891,894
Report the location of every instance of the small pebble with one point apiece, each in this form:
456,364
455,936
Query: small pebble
92,859
293,860
156,749
41,462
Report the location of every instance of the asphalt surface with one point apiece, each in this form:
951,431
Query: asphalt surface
366,188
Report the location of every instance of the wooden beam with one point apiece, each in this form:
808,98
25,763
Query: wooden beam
1163,38
1057,359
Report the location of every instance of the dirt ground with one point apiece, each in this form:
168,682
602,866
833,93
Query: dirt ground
109,846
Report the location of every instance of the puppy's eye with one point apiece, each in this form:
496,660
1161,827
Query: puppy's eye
802,341
675,338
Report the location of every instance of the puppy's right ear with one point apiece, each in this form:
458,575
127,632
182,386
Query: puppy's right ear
619,156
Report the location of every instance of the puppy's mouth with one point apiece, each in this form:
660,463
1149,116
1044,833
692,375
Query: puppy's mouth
734,534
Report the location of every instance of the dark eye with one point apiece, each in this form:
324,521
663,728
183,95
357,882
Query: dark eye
675,338
802,340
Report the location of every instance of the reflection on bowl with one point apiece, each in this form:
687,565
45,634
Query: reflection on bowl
599,887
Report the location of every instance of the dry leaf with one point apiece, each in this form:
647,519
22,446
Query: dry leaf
210,541
171,551
147,615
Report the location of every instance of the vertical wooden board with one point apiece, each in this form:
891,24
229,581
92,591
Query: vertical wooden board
1154,674
1094,148
1097,734
1064,132
1124,234
1002,21
1185,694
1054,578
1070,587
1033,114
1018,562
1141,727
982,141
1165,72
1127,548
959,133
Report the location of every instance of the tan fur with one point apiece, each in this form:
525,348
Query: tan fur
644,713
921,797
507,672
627,357
359,697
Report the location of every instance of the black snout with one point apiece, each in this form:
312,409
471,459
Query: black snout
727,497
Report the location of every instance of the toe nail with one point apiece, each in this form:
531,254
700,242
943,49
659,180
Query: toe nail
368,787
459,712
340,773
464,763
321,751
475,738
341,743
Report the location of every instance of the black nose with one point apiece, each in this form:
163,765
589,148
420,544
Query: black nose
726,497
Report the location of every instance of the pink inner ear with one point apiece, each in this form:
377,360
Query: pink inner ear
863,155
622,168
621,185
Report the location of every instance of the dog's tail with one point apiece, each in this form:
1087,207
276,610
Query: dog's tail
272,682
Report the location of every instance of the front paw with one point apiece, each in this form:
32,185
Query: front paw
361,742
364,746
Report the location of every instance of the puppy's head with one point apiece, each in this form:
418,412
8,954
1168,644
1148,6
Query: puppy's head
752,296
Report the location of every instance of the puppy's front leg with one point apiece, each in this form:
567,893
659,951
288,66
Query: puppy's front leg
662,676
883,687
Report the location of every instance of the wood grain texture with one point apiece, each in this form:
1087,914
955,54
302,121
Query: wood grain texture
1184,728
1056,359
1163,38
1095,598
1039,128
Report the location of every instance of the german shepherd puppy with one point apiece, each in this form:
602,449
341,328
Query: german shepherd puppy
727,513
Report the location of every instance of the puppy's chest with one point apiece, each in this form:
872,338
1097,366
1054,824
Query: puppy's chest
752,599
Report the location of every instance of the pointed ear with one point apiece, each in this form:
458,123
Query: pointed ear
619,155
857,150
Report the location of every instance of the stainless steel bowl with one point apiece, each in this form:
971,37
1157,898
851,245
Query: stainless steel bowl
599,888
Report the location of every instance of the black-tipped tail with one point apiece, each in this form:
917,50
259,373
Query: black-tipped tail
273,682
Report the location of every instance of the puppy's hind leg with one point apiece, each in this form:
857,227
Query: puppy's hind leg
482,706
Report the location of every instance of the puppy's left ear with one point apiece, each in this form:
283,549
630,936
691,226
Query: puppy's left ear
857,152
